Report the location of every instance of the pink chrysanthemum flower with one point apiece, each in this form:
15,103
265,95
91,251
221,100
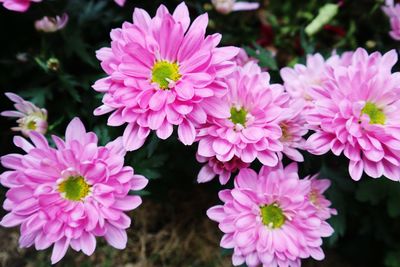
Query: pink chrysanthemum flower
357,112
18,5
227,6
51,24
242,58
393,12
294,127
251,128
214,167
30,117
163,73
69,195
268,220
317,198
300,79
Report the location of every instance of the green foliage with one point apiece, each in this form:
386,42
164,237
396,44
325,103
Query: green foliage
381,191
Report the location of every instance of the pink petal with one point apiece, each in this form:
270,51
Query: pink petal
88,243
75,131
267,158
356,169
221,146
186,133
181,14
206,174
116,237
141,18
165,130
217,108
12,220
216,213
130,137
59,250
127,203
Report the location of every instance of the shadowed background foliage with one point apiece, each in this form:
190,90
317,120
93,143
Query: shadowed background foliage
170,228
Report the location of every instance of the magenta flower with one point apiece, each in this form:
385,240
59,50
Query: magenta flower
268,220
30,117
393,12
18,5
51,24
214,167
227,6
317,198
300,79
356,112
242,58
71,194
163,73
251,128
294,127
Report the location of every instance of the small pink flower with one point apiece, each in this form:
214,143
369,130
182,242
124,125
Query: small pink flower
242,58
317,198
294,127
30,117
300,79
356,112
162,73
250,130
214,167
51,24
18,5
393,12
227,6
268,220
69,195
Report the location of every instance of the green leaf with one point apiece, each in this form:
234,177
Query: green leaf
325,15
306,44
392,259
264,57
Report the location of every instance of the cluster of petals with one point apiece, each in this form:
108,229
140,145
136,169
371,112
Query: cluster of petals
69,195
18,5
356,112
213,167
392,10
300,79
51,24
269,220
30,117
250,129
162,73
317,198
228,6
294,127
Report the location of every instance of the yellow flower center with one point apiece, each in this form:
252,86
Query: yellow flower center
31,125
74,188
238,116
313,197
285,132
164,72
375,114
272,216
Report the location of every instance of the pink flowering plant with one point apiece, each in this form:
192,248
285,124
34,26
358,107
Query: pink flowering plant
187,133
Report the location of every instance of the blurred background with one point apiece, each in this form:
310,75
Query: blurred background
56,71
